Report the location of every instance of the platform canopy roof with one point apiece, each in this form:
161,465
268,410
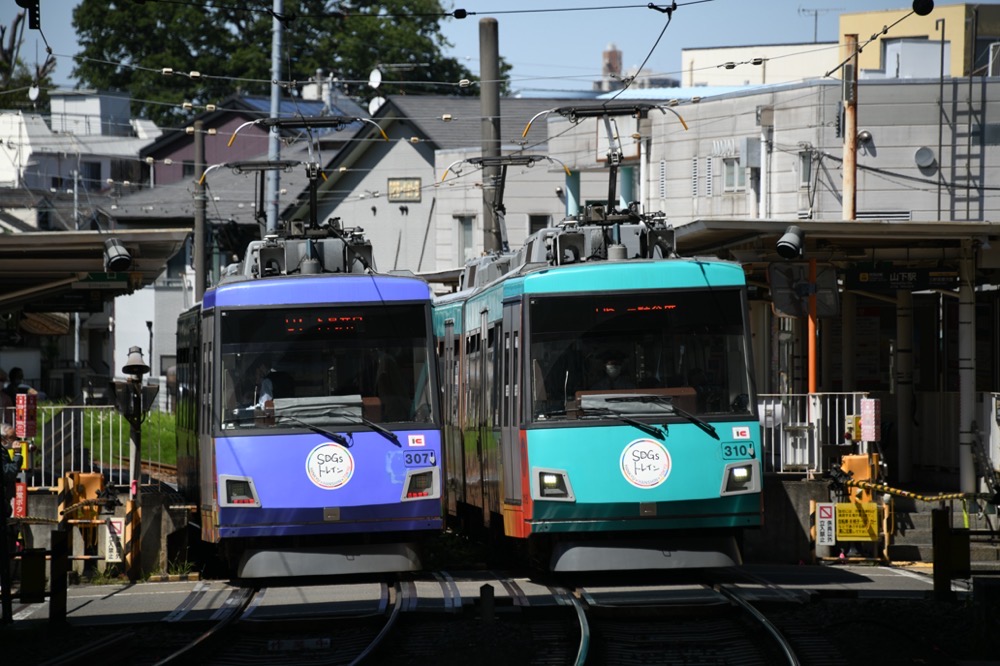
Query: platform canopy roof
65,271
850,244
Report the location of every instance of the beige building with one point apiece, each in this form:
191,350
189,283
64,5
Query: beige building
960,25
758,64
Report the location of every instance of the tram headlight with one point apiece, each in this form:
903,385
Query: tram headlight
553,485
421,484
238,491
740,478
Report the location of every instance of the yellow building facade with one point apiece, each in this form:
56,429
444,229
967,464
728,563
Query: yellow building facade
962,25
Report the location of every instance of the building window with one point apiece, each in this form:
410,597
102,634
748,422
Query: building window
734,176
663,179
90,176
537,223
694,176
805,169
466,239
187,169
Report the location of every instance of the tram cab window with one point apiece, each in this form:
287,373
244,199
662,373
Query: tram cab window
364,359
679,345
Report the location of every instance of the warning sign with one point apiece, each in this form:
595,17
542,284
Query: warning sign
857,521
824,524
113,545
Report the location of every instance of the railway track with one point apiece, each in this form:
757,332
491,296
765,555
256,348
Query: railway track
682,626
482,617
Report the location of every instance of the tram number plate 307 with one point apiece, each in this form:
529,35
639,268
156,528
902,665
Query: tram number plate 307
419,459
737,450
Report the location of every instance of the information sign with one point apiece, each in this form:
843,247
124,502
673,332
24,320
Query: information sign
113,544
825,535
857,521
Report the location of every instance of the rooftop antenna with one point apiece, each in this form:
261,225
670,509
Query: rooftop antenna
815,14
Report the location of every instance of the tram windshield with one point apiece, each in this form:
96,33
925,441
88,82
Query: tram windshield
324,366
685,348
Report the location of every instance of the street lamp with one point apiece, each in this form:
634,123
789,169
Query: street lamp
133,401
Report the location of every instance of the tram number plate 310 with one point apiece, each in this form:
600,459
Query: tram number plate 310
737,450
419,459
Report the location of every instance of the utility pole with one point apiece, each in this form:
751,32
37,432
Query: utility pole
815,14
850,99
274,139
489,99
199,213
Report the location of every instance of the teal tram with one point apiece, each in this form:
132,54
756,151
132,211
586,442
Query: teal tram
598,399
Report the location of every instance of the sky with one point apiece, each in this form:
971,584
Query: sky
557,44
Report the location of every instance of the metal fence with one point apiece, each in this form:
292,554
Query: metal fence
805,433
72,438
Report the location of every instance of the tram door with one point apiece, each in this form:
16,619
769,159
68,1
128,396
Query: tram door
454,460
510,413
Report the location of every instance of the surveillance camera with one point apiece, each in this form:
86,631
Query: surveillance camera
789,246
864,136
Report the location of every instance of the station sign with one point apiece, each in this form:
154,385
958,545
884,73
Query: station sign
111,280
891,279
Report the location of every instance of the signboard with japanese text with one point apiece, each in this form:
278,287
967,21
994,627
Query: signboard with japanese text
25,415
825,535
891,279
20,500
113,543
404,190
857,521
871,420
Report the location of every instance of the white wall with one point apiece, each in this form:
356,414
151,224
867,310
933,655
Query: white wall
131,314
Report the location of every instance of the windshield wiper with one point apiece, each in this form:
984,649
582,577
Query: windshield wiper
385,432
332,436
666,400
651,430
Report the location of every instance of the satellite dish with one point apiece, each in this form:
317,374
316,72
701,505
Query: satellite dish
375,78
375,104
33,93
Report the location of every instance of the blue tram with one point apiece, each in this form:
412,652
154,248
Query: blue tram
598,399
308,420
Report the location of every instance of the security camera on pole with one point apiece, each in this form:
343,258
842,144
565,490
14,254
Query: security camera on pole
133,401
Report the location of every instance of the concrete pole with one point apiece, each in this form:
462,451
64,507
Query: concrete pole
848,350
850,98
489,99
966,369
644,152
274,141
200,203
765,170
904,383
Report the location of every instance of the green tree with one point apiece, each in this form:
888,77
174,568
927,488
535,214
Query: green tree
126,46
16,78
